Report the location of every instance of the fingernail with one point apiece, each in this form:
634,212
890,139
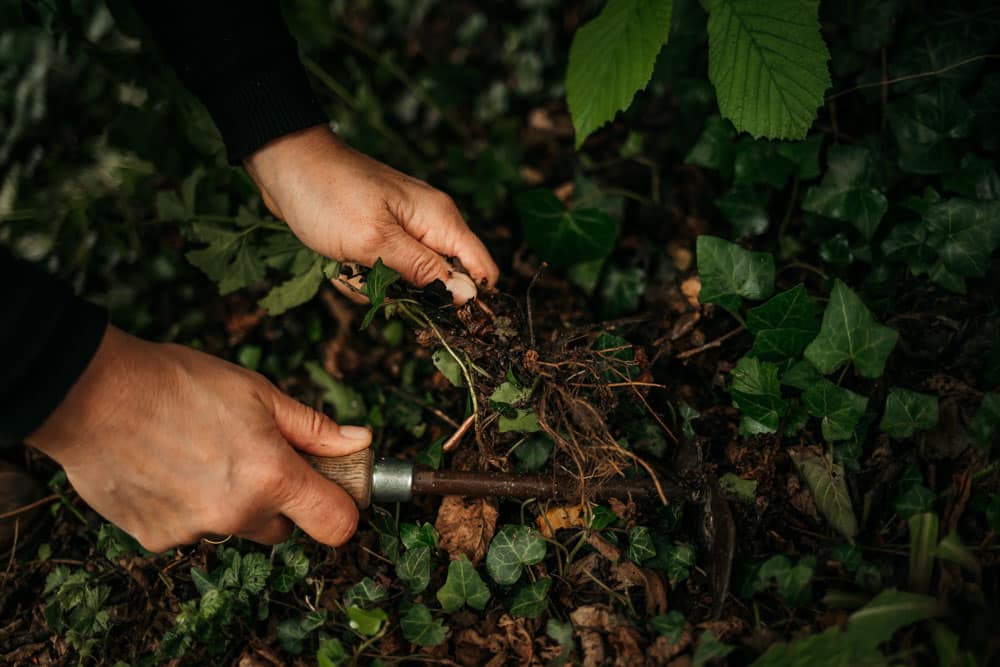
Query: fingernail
461,287
356,433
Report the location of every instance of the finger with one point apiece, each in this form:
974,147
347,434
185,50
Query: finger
318,506
439,225
273,531
313,432
420,265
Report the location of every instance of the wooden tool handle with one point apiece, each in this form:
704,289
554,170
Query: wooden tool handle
353,473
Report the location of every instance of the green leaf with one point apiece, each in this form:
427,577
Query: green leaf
463,586
293,568
729,273
420,628
670,625
376,283
829,489
533,453
532,598
784,325
757,393
562,633
952,549
611,58
846,193
767,62
445,362
791,582
709,648
414,569
347,403
560,236
640,545
365,592
801,375
964,233
413,536
925,124
431,455
714,148
908,411
512,548
367,622
908,242
673,559
891,610
621,290
230,260
985,426
331,653
744,489
688,415
912,500
923,538
838,409
745,208
511,393
296,291
977,179
850,334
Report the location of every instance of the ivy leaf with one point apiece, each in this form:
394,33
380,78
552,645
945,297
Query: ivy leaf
714,148
561,236
985,426
365,592
413,536
977,179
924,125
709,648
414,569
463,586
850,334
621,290
838,409
670,625
908,242
640,545
376,283
523,421
908,411
295,291
964,233
801,375
561,633
449,367
514,547
744,489
611,58
745,208
331,653
511,393
531,599
294,566
757,393
367,622
420,628
768,64
846,193
829,489
784,325
914,499
729,273
533,453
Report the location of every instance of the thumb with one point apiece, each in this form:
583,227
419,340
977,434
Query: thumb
312,432
319,507
421,266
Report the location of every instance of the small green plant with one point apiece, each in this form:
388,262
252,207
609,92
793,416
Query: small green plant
75,607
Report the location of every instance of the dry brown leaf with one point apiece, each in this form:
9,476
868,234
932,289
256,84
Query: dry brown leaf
625,641
558,518
466,526
661,651
681,255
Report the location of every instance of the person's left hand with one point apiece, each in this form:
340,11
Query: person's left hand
350,207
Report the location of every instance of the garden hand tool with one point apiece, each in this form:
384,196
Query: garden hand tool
390,480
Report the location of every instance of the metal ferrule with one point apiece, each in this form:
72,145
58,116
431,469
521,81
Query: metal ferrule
392,481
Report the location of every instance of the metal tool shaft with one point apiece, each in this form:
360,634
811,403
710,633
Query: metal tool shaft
543,487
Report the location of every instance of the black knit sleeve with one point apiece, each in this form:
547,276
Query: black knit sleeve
239,59
47,337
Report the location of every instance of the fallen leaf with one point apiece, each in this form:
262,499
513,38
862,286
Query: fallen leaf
691,288
558,518
681,255
466,526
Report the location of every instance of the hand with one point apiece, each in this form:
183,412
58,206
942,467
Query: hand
349,207
171,445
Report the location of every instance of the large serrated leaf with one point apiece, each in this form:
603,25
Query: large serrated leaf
295,291
612,58
829,489
767,61
850,334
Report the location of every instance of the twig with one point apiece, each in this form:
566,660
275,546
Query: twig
911,77
527,298
29,506
452,442
712,344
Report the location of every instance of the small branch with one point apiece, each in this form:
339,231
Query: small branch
452,442
709,345
527,297
911,77
29,506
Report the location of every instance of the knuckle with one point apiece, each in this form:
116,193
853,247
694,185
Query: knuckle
425,268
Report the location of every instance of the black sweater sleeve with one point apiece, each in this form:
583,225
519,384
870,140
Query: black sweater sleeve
47,338
241,62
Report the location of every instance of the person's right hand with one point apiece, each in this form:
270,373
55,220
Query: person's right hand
172,445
